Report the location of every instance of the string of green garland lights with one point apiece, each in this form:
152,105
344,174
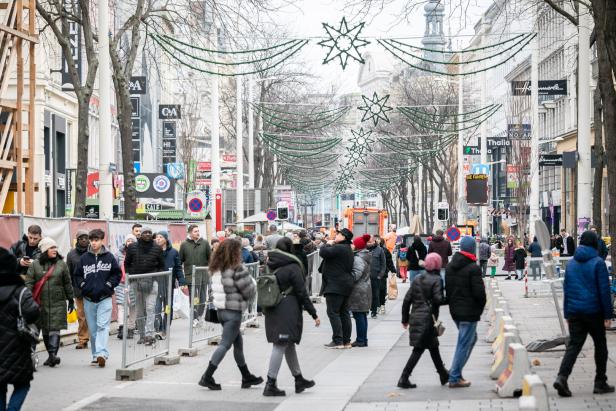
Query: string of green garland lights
428,121
426,68
462,51
194,61
302,122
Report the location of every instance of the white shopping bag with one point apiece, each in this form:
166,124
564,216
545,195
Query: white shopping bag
181,303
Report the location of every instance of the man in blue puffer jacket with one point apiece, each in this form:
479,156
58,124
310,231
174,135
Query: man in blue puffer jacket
588,310
97,274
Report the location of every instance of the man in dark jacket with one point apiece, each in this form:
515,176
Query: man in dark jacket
378,268
97,274
442,247
467,298
337,286
195,252
484,255
145,257
72,261
588,309
173,264
15,355
603,251
535,252
26,250
566,244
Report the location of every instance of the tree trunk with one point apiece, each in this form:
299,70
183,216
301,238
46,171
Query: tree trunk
83,137
598,154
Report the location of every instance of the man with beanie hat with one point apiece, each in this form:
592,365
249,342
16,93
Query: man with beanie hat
337,269
467,298
72,260
588,310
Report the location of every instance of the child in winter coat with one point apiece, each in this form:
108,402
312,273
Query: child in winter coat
519,257
403,263
493,263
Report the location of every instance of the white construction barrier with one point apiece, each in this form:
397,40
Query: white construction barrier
501,355
510,382
507,328
495,325
534,388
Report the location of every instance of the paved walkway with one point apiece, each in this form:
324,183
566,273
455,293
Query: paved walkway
356,379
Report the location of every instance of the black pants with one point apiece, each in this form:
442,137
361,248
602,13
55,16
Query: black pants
484,267
339,318
375,284
382,290
416,355
579,327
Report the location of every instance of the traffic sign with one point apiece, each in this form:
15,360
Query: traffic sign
195,205
453,234
271,215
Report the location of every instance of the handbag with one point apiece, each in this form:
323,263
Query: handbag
392,288
71,317
439,328
420,262
29,333
37,289
211,314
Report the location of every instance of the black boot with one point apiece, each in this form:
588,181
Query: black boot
207,379
443,375
271,390
562,387
404,382
602,387
301,383
49,359
120,332
248,380
54,346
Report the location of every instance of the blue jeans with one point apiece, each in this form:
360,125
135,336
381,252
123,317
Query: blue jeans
413,274
443,277
17,398
98,316
361,327
467,337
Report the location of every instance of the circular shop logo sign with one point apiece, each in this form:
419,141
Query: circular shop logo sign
161,183
142,183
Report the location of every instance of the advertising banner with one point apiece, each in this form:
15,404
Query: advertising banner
154,185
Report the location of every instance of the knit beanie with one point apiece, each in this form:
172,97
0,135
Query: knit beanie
347,234
130,237
165,234
361,242
433,262
146,228
590,239
81,233
467,244
46,243
8,263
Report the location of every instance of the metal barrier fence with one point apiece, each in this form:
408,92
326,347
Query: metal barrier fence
314,278
147,297
249,317
199,329
538,284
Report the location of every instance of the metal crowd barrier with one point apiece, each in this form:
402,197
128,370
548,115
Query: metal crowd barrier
199,329
314,279
541,286
146,298
249,317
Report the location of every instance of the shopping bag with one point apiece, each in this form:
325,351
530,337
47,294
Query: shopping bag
71,317
392,288
181,303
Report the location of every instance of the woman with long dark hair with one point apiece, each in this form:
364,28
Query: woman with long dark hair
284,322
231,289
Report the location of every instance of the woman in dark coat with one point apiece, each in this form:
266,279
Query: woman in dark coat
416,252
425,296
284,322
509,265
360,299
15,354
56,291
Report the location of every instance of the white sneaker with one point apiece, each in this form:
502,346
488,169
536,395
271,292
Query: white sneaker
382,310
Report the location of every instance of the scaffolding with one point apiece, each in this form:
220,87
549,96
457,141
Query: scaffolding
18,37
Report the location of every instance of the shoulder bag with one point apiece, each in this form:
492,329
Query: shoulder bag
420,262
439,328
28,332
37,289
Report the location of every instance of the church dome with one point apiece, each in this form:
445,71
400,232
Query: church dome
434,6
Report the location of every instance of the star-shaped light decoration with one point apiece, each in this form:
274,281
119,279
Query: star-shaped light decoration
375,108
361,140
343,43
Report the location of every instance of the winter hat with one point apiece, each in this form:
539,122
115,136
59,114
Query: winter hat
81,233
361,242
590,239
146,228
467,244
433,262
347,234
130,237
8,262
165,234
46,243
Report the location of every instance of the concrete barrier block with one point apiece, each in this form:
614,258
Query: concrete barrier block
188,352
494,327
505,323
129,374
500,355
510,382
167,360
533,387
527,404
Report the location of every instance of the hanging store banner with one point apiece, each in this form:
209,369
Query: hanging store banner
550,160
513,176
74,38
154,185
546,88
137,85
169,112
169,141
477,189
518,131
498,142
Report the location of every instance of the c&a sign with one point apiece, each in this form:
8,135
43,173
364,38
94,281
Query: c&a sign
169,111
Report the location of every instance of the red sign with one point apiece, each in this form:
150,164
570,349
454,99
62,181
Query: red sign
218,205
204,166
92,184
231,158
453,234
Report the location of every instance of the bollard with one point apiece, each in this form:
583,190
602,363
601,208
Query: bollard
534,387
501,356
493,331
507,328
502,303
505,320
493,305
510,382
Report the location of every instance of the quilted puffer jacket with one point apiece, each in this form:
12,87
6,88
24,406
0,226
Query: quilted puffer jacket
233,288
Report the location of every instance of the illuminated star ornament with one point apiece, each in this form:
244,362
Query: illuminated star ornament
343,43
375,108
361,141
